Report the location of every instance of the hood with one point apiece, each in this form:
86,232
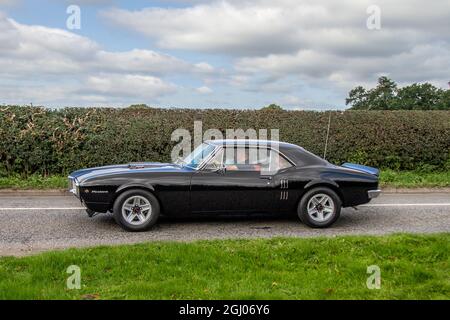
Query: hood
126,168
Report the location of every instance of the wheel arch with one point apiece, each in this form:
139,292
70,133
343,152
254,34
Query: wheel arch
127,187
323,183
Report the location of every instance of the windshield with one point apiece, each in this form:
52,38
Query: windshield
198,155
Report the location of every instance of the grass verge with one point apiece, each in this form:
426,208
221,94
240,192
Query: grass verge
388,178
412,179
33,182
412,267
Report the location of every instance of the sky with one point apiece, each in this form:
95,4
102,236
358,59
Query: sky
300,54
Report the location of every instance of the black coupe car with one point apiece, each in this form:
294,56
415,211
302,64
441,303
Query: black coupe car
227,177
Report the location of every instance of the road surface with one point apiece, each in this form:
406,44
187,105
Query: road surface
31,224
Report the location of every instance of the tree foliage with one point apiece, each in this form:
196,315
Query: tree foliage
45,141
272,107
388,96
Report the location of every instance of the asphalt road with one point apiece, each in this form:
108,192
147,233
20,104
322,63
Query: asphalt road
32,224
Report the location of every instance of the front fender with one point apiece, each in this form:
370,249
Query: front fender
132,185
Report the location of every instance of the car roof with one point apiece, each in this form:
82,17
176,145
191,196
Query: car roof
292,152
252,142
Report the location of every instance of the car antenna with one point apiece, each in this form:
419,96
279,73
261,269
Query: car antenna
328,135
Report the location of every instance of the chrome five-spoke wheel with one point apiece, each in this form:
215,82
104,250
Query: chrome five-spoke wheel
136,210
320,207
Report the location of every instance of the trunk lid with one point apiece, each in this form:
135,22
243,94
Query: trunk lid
361,168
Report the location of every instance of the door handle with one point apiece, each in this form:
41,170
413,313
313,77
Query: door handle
266,177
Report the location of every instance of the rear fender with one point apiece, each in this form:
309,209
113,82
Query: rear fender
321,182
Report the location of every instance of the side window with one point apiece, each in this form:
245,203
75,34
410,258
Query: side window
277,162
262,160
242,159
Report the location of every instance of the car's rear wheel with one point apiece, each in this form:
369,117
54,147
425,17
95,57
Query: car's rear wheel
136,210
319,207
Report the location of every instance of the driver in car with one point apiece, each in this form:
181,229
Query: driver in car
241,163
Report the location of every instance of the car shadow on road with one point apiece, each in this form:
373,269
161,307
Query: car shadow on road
253,221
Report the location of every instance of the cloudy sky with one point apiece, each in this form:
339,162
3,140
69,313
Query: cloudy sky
302,54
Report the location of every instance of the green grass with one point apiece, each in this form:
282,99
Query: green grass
389,178
412,267
33,182
412,179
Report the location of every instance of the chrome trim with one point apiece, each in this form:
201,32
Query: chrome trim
267,146
205,161
284,195
73,185
284,184
219,147
372,194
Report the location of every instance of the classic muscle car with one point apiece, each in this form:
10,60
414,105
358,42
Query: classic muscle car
224,177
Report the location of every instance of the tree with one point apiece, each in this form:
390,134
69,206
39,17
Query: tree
357,98
379,98
444,101
272,107
138,106
387,96
418,97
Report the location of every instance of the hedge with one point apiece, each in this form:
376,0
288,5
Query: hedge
56,141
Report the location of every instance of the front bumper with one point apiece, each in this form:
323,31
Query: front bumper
74,186
373,193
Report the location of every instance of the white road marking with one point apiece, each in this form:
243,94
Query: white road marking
21,209
406,205
364,205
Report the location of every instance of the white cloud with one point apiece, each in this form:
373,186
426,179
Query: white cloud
57,63
127,86
315,41
216,27
9,2
204,67
50,50
141,61
296,51
263,27
90,2
204,90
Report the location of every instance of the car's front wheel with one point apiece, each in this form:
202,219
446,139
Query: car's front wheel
136,210
319,207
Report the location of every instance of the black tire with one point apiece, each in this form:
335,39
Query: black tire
303,208
120,219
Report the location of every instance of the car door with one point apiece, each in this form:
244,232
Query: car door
232,183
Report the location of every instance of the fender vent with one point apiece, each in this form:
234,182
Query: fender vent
284,185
